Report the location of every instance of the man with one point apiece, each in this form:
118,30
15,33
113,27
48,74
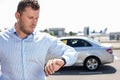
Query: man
23,51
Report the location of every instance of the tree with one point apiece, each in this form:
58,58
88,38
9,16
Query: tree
72,33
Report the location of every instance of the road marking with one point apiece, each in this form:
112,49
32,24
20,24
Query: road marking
116,58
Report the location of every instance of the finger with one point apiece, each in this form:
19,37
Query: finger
46,72
58,63
49,69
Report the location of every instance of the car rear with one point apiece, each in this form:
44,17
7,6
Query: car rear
108,56
104,51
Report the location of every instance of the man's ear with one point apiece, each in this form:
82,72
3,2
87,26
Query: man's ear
17,16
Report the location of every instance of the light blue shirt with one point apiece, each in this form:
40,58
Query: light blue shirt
24,59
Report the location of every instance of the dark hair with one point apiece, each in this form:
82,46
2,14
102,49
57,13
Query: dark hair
27,3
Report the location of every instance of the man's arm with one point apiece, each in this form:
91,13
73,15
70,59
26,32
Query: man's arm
61,54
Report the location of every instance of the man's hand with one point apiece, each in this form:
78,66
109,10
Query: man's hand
53,65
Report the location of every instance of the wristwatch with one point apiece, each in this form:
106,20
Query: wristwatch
64,61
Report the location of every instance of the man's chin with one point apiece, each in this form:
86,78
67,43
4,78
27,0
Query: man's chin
30,32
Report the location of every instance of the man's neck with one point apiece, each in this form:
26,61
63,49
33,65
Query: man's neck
19,33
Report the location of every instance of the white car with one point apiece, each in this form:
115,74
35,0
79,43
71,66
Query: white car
91,53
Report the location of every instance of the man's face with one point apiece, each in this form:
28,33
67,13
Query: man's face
28,20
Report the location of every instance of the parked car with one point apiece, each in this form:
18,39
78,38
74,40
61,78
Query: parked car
91,53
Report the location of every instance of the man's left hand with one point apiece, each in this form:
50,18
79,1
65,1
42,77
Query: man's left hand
53,65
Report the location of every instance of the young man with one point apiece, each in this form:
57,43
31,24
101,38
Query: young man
23,51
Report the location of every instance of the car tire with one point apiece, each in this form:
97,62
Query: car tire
92,63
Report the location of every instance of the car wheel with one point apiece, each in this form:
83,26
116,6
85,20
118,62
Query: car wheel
91,63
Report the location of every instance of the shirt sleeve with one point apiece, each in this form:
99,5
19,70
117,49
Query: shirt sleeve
58,49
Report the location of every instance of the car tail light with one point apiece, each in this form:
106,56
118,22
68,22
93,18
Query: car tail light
109,50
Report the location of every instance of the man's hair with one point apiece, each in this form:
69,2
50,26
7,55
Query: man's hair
27,3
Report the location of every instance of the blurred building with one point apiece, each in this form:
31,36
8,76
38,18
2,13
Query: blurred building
86,31
115,36
59,32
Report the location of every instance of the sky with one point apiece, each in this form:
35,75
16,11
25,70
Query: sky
73,15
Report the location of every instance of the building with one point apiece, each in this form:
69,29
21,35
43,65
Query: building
114,36
86,31
59,32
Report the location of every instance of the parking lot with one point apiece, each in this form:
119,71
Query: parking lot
106,72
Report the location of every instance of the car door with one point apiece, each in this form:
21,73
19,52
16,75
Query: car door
83,48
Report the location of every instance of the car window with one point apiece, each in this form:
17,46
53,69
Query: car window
94,41
64,41
78,43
